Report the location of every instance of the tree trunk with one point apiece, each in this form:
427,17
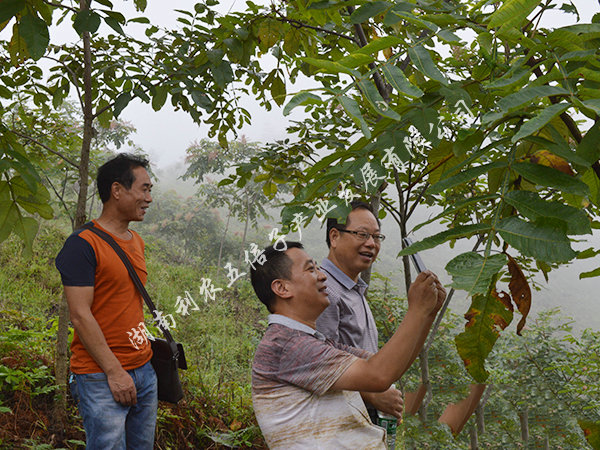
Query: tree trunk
366,274
424,364
479,418
91,211
523,418
223,241
479,411
474,437
245,228
61,363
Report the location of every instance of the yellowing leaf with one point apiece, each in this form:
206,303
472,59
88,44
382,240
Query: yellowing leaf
488,315
268,34
545,158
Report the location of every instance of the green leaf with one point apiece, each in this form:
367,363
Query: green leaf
140,5
5,93
473,273
159,98
301,98
269,189
379,44
8,217
539,121
593,183
330,66
394,140
32,202
527,95
34,32
534,207
114,24
353,110
376,100
121,103
367,11
396,78
278,91
9,8
449,37
544,240
369,175
508,79
488,315
457,206
202,100
222,74
86,21
588,148
437,239
26,228
590,274
512,13
464,176
552,178
421,59
355,60
235,47
144,20
418,21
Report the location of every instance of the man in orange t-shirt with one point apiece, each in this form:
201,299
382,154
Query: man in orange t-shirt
112,378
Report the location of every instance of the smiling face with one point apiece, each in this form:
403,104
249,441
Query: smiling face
133,202
307,283
347,251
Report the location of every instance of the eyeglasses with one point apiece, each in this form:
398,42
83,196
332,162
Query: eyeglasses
364,236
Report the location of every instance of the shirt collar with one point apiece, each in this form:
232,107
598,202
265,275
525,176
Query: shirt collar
295,325
341,277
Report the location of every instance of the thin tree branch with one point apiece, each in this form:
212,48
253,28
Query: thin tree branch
298,24
62,201
73,77
416,202
58,5
380,83
392,210
486,395
35,141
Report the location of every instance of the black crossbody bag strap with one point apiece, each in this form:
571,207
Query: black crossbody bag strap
136,280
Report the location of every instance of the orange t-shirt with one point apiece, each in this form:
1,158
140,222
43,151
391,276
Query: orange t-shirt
88,260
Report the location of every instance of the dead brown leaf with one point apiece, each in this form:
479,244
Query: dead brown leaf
520,290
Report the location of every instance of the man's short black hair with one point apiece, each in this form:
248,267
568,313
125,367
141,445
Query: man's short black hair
119,169
333,223
277,266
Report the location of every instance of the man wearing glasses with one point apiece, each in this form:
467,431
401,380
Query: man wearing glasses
353,247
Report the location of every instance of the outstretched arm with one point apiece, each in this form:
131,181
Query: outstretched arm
425,298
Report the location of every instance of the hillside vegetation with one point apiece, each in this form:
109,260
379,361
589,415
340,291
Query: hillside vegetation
220,338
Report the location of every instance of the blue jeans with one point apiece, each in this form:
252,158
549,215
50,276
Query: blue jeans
110,425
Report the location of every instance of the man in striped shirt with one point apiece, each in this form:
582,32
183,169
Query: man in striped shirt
305,387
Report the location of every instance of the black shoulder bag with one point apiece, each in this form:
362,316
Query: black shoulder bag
167,355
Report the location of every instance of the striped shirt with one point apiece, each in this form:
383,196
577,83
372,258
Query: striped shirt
294,368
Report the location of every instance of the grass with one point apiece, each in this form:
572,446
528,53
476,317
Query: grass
219,340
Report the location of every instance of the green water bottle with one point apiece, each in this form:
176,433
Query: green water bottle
389,423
